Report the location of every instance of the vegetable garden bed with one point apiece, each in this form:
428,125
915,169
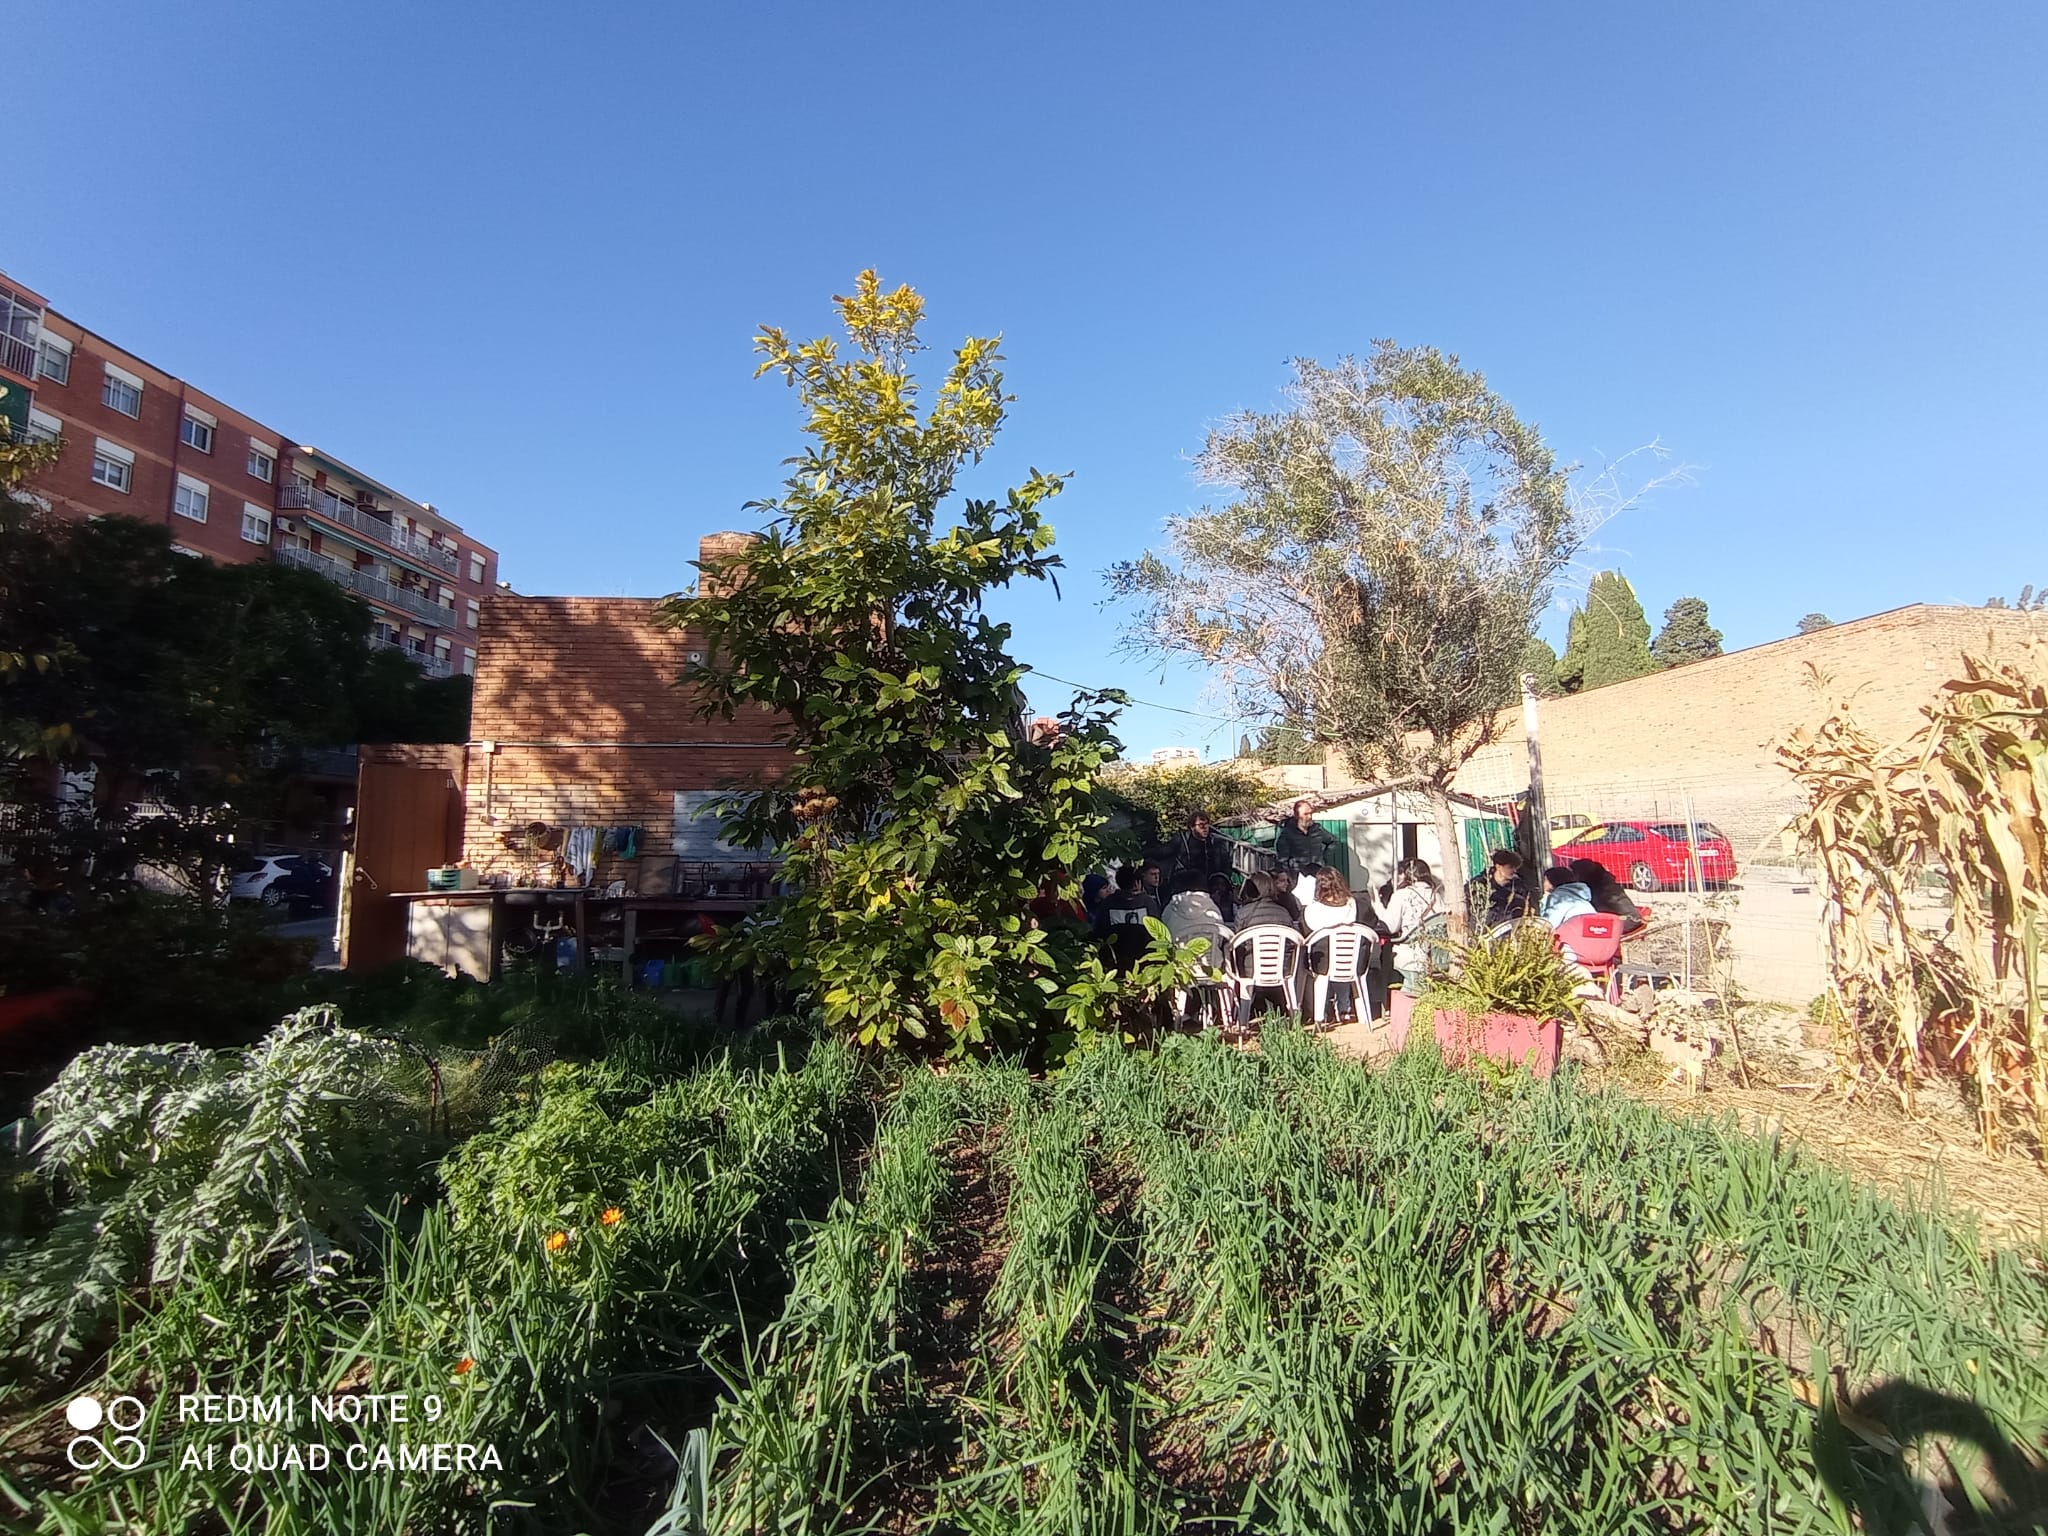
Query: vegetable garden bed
1192,1290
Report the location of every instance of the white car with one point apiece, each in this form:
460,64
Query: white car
276,878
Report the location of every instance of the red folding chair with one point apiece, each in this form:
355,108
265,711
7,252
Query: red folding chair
1595,942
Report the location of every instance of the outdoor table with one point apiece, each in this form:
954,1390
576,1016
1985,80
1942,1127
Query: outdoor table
499,897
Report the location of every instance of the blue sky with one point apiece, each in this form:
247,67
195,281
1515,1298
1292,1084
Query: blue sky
509,257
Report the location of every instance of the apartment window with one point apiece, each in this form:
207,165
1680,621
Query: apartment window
475,609
442,646
468,662
262,461
122,392
112,465
193,496
197,431
476,566
53,359
43,427
255,523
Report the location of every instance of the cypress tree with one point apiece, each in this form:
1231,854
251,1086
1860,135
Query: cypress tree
1686,636
1539,660
1609,640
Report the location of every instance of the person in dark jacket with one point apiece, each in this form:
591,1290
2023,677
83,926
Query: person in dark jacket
1223,891
1607,893
1508,897
1262,903
1124,919
1198,852
1300,843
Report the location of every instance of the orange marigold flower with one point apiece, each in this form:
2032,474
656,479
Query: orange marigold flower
557,1241
612,1216
464,1366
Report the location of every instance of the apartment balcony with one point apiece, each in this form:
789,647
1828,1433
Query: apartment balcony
295,497
433,666
376,588
19,356
21,321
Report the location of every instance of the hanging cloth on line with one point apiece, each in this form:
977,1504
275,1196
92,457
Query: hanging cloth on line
579,850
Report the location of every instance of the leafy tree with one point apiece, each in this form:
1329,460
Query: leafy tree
1814,621
1540,662
1392,539
1172,792
930,814
2029,601
185,687
1287,742
1686,635
1609,638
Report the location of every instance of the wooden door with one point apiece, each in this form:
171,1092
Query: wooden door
408,820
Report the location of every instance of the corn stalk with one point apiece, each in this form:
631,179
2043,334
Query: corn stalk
1966,793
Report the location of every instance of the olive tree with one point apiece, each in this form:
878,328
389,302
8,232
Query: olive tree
1378,568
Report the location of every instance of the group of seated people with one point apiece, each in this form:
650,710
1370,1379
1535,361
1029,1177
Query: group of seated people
1193,889
1218,906
1577,888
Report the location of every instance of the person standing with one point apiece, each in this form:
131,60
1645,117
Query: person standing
1301,843
1418,896
1198,851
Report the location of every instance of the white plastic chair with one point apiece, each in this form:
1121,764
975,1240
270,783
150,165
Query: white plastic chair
1349,951
1265,956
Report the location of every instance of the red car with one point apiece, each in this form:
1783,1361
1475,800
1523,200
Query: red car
1651,855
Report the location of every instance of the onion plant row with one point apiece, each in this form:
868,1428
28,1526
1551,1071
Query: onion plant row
1285,1293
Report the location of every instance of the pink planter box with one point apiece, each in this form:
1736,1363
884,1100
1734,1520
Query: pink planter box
1503,1036
1399,1007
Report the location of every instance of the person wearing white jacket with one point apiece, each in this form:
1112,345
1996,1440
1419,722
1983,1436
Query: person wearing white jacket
1418,896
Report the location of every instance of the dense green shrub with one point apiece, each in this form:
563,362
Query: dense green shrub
174,1159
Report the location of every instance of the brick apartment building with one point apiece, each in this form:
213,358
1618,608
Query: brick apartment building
140,442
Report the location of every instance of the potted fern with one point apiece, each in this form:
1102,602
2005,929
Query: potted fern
1507,998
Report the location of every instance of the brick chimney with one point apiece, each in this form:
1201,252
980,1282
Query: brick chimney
721,547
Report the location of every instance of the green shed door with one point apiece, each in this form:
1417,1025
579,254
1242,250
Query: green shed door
1340,856
1483,834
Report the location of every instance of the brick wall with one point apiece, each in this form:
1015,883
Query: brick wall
577,719
1709,730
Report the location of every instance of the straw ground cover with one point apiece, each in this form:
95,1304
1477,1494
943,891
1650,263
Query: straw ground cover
1281,1292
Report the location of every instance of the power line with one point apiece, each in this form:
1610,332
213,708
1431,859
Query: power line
1173,709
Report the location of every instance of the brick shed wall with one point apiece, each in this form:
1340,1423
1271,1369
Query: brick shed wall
577,700
1710,729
